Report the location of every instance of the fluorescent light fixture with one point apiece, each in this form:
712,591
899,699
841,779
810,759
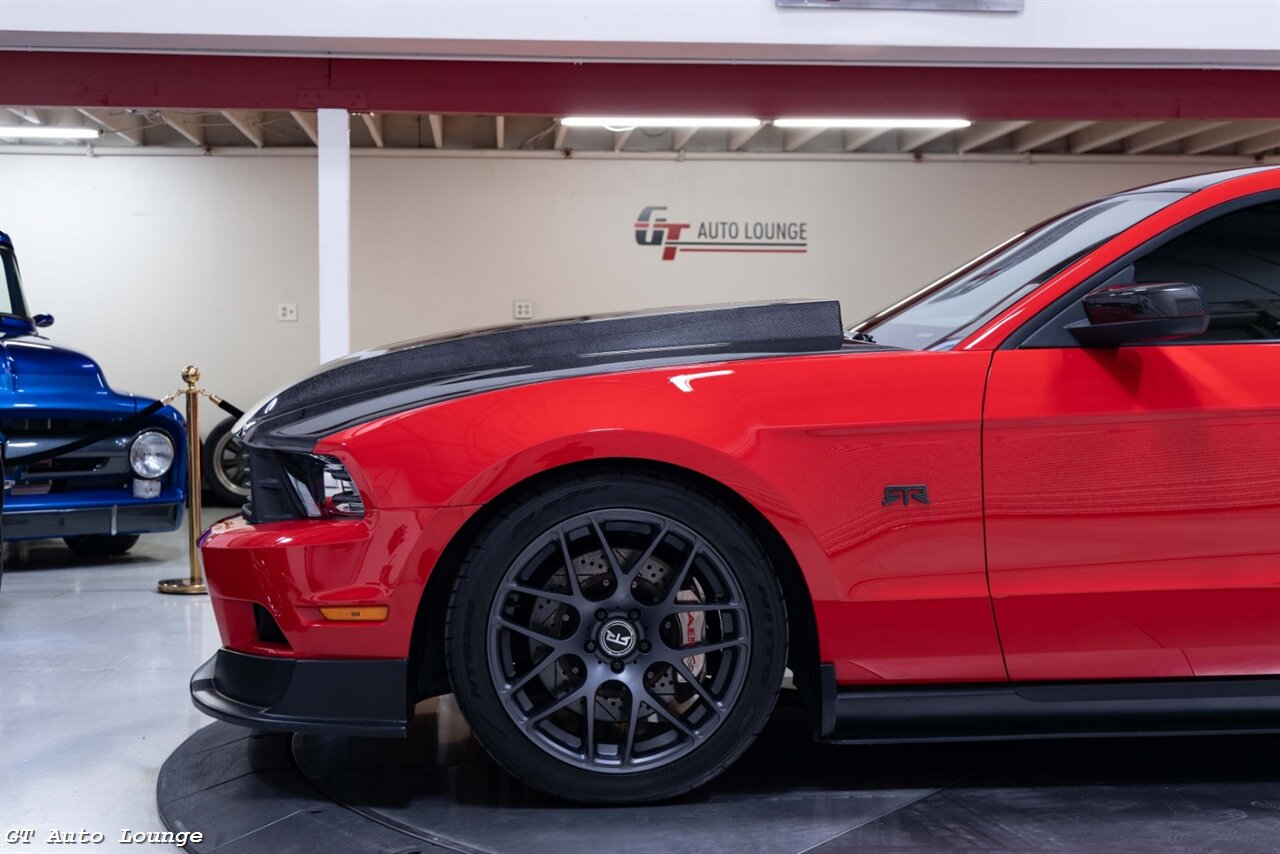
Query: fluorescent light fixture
25,132
628,122
871,123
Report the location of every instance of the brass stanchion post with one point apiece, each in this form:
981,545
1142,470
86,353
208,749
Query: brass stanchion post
194,584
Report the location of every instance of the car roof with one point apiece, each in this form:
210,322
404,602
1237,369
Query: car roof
1193,183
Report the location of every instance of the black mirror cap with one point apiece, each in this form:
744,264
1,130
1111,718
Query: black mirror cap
43,320
1125,303
1129,314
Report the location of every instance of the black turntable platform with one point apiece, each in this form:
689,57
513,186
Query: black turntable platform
249,791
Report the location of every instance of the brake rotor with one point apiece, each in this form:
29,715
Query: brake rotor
650,583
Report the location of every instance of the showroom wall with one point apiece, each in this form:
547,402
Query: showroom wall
150,263
133,253
441,244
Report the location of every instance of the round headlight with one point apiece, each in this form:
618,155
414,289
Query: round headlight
151,454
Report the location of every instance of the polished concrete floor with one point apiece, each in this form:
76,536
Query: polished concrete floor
93,684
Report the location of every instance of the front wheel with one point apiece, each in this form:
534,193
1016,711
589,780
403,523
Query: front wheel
616,638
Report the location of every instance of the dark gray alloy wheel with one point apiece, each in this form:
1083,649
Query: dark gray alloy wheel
621,641
225,467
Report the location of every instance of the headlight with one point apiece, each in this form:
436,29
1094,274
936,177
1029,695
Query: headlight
323,486
151,454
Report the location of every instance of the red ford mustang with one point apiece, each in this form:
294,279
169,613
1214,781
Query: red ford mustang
1040,497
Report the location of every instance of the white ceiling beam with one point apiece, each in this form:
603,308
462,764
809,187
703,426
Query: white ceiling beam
373,121
1259,144
680,138
620,138
184,124
910,140
1105,133
853,139
115,124
739,137
793,139
307,121
1037,134
30,115
980,133
500,131
562,131
436,120
248,123
1164,134
1228,134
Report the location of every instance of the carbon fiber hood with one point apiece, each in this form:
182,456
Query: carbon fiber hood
379,382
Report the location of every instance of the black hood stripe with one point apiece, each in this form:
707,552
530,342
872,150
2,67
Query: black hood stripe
377,383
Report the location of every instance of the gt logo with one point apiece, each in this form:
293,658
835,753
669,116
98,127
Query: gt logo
654,230
906,494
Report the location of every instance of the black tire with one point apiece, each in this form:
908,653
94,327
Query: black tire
224,466
101,545
669,718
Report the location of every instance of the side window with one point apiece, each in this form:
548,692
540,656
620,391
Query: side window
1235,259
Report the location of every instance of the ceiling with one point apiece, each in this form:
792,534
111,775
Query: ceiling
156,128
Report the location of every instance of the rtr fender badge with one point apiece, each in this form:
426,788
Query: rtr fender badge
904,495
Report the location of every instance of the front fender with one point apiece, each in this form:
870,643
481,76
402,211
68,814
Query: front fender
467,452
813,442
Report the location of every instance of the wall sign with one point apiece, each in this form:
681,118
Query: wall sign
909,5
654,228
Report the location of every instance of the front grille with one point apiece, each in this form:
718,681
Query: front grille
72,428
287,486
102,465
271,498
67,465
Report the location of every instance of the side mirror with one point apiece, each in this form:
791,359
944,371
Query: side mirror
43,320
1128,314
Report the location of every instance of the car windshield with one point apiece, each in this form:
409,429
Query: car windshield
944,313
11,294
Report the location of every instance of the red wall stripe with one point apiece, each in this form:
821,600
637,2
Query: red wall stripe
556,88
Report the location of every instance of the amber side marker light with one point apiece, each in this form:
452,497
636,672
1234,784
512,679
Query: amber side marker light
361,614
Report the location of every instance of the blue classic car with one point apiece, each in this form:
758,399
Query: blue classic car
124,472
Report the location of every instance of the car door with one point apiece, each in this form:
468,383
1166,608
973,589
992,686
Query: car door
1132,494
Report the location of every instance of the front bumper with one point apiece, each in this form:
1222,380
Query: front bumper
46,523
367,697
291,570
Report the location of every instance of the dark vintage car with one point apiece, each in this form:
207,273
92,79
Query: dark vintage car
1039,498
99,497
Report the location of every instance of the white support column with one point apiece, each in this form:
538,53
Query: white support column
334,205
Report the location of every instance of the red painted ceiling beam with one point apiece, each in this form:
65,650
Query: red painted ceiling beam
204,81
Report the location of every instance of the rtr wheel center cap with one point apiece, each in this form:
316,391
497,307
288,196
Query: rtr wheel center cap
617,638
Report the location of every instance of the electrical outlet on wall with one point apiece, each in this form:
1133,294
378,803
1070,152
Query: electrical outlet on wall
523,309
287,312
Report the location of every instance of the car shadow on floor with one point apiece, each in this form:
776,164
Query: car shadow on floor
1172,793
